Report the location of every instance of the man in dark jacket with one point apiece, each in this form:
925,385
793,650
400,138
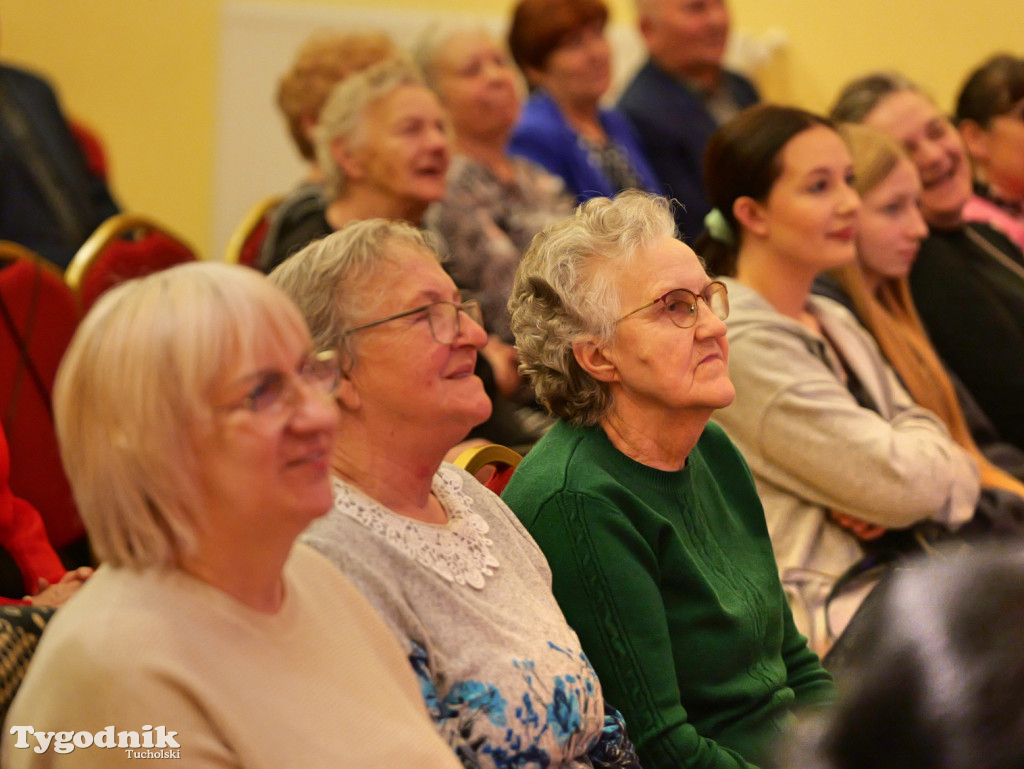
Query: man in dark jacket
50,201
681,95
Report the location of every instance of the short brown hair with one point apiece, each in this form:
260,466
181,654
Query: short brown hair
991,90
322,62
541,26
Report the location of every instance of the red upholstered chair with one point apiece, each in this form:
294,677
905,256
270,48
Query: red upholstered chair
38,316
246,241
492,464
125,246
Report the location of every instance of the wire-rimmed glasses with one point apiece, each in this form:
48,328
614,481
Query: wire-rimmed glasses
681,304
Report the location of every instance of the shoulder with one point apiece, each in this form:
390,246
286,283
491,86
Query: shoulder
540,111
27,83
648,83
742,88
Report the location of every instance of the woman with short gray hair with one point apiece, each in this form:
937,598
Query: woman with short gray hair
382,147
647,513
463,587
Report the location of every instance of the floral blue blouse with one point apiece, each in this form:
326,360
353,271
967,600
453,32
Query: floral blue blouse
501,672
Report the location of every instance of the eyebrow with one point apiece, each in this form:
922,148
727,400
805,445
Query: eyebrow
427,296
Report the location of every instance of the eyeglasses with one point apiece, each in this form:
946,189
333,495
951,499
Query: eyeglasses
276,391
442,317
681,304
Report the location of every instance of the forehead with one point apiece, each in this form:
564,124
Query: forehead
903,115
411,276
816,147
406,101
461,47
280,347
902,179
664,265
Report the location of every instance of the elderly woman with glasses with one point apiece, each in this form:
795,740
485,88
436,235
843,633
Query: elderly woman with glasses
197,443
647,513
462,585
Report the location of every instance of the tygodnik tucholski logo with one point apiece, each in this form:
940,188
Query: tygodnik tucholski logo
151,742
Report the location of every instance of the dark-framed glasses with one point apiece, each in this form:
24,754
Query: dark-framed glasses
442,317
681,304
276,391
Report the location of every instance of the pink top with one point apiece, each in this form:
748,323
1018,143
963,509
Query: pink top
978,209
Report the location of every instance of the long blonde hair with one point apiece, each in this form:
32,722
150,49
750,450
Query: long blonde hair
889,313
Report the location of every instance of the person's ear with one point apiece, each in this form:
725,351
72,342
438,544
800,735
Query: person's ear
646,26
347,395
975,139
346,159
594,360
750,215
308,124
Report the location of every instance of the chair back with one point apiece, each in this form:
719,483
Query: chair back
246,241
492,464
38,316
125,246
20,630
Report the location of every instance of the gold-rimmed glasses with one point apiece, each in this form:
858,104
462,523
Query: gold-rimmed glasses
682,307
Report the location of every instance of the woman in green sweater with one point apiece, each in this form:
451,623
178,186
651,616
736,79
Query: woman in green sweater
647,514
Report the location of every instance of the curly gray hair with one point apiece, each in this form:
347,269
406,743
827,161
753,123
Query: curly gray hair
328,279
564,293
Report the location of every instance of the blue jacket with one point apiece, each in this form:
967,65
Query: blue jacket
674,127
544,136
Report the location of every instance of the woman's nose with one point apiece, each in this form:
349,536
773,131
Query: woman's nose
918,227
314,410
709,325
471,333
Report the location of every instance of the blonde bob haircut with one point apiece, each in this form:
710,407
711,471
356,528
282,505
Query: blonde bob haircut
566,291
329,279
343,115
132,401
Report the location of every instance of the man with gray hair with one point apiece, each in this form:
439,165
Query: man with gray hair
681,95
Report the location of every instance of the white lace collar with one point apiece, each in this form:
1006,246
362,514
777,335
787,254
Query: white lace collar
459,550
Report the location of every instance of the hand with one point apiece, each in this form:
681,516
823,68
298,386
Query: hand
861,529
58,594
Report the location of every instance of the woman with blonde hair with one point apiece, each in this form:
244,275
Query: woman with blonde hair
195,421
968,279
876,289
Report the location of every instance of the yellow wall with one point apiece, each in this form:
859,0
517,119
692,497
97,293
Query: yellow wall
143,73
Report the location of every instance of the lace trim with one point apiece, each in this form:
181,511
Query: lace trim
458,551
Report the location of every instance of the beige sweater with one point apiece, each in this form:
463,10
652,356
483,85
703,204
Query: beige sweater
321,683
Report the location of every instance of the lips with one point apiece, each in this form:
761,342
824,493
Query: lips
845,234
463,371
934,180
316,457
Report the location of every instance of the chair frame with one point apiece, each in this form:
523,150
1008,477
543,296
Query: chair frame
253,217
110,230
504,460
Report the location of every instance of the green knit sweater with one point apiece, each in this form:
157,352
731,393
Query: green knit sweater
670,582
